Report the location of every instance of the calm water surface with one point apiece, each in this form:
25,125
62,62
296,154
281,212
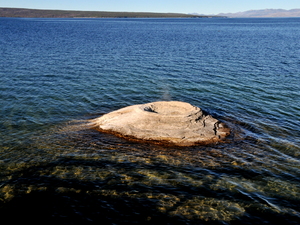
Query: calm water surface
58,73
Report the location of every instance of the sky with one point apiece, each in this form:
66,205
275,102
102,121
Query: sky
207,7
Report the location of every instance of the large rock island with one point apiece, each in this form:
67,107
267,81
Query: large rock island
167,122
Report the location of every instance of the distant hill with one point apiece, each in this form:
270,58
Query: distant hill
37,13
265,13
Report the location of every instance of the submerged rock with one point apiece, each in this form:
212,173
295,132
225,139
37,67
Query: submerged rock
170,122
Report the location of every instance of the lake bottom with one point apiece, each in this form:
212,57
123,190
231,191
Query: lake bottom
74,175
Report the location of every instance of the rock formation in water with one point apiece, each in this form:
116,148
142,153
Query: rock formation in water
170,122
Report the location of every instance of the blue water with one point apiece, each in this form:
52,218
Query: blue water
58,73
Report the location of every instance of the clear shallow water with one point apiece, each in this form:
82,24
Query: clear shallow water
58,73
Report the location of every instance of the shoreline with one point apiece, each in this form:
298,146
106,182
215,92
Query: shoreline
44,13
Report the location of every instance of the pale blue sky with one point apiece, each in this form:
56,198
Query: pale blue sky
180,6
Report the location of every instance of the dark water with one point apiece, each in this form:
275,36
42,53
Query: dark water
58,73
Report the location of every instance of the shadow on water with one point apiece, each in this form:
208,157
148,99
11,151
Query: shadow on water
37,195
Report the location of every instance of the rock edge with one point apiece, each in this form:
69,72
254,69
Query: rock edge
169,122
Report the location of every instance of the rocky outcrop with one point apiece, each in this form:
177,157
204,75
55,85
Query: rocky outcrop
170,122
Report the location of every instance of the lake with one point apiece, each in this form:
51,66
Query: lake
56,74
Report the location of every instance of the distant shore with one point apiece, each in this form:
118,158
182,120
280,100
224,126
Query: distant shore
40,13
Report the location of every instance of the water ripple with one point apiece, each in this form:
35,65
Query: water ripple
56,74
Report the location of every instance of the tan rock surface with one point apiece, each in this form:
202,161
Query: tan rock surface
172,122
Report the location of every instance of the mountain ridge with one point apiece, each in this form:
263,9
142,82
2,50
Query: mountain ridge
264,13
